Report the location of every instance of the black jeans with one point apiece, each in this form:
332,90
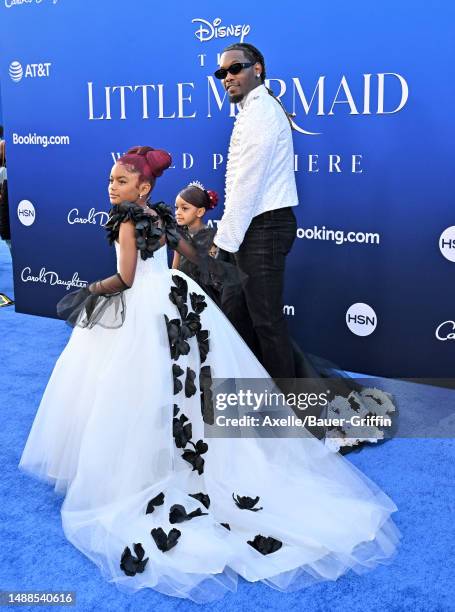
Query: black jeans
256,309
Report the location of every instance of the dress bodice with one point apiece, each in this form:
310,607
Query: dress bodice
156,264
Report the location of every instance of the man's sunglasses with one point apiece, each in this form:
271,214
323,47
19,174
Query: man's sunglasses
222,73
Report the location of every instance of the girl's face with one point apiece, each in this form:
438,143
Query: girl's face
185,213
124,185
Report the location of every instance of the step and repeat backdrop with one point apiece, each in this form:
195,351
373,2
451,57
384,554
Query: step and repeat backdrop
370,280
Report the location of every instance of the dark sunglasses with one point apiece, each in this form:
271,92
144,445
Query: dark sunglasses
221,73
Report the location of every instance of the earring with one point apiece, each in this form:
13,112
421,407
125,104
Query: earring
257,75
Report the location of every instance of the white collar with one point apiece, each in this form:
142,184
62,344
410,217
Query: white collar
251,95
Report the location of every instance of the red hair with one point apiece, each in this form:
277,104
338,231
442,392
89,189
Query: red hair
147,162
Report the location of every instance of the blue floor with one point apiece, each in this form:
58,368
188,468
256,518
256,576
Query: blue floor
419,475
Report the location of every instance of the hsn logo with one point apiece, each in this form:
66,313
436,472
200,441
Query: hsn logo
17,72
26,212
361,319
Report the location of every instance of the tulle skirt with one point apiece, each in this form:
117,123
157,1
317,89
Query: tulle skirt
105,437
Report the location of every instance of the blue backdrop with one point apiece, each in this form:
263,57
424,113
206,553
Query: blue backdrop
370,278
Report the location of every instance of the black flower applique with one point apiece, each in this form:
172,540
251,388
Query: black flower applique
177,343
190,387
148,236
226,526
194,457
147,230
158,500
178,295
169,222
246,503
265,545
176,410
201,497
198,302
176,372
133,565
179,301
178,514
182,430
165,541
203,343
191,325
205,385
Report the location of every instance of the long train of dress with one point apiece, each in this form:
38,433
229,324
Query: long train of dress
110,434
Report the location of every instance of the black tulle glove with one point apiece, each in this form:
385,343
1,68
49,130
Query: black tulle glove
101,303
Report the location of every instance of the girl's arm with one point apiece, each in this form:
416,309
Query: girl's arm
176,261
127,264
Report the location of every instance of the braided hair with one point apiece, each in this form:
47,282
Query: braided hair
253,54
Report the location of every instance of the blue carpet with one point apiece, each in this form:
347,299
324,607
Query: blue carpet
419,475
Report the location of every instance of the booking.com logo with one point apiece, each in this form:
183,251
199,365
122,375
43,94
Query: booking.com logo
338,236
17,72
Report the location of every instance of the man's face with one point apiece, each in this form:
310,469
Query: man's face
239,85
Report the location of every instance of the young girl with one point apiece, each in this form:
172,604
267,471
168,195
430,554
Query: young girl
154,496
191,204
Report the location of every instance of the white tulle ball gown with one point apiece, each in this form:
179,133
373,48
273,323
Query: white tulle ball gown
120,432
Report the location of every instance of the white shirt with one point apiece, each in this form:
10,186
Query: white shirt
260,167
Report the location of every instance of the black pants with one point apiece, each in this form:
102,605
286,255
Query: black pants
256,309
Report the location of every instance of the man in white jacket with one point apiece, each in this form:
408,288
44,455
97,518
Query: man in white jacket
258,226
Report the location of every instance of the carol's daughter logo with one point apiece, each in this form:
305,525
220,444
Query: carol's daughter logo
208,30
93,217
52,278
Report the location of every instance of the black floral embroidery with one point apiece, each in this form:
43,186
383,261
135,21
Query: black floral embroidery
182,430
178,514
226,526
176,410
201,497
158,500
203,343
165,541
190,387
246,503
133,565
176,372
205,385
198,302
194,457
265,545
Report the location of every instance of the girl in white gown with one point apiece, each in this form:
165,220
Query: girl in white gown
120,430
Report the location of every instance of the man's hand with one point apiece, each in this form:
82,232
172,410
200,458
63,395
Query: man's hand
213,251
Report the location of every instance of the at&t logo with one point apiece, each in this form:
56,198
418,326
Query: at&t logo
26,212
361,319
17,72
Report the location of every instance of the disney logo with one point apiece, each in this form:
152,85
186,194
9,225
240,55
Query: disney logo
10,3
52,278
446,331
207,30
73,217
